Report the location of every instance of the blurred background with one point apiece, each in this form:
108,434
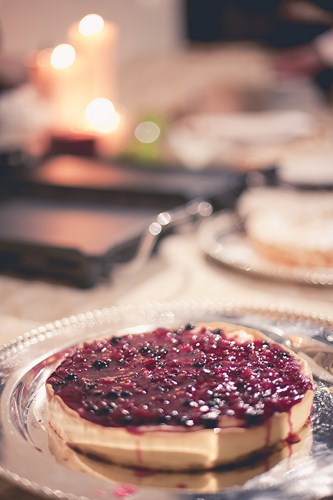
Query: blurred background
147,105
166,57
146,27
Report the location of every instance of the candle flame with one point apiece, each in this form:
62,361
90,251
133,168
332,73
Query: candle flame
101,115
91,24
63,56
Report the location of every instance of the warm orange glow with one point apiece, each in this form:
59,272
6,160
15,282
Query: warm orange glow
91,24
43,58
101,115
63,56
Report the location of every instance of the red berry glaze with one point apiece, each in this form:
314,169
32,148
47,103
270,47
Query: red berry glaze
178,377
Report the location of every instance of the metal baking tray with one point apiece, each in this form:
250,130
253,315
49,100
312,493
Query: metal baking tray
74,243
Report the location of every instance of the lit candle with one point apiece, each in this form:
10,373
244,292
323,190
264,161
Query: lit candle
107,124
96,40
62,77
70,89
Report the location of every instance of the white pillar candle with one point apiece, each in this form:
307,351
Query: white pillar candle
96,40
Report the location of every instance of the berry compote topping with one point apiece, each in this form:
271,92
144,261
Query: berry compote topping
181,377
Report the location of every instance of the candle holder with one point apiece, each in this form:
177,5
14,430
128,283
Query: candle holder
78,144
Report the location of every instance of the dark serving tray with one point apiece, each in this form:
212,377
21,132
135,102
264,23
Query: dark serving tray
73,220
75,243
93,180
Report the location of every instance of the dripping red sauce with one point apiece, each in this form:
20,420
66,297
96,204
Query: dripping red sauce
136,431
124,490
180,377
138,452
142,472
182,486
293,438
288,440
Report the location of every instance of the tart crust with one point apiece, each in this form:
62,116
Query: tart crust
175,448
209,481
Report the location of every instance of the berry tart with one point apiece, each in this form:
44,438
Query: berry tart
191,397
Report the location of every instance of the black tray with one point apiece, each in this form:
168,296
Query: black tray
73,220
65,241
88,180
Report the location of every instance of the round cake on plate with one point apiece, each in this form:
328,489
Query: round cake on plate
289,227
191,397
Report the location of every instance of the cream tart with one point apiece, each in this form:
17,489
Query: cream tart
288,227
192,397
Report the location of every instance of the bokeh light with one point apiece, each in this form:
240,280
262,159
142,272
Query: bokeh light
101,115
63,56
147,132
91,24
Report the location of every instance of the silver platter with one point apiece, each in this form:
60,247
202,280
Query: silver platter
222,237
25,442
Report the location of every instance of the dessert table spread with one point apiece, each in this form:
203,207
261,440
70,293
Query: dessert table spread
179,271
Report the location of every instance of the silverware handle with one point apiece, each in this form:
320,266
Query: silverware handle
179,218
